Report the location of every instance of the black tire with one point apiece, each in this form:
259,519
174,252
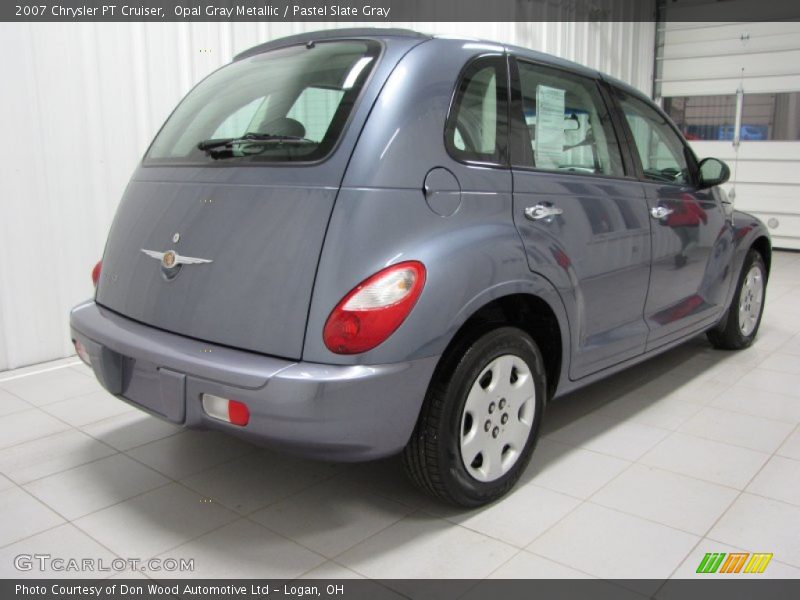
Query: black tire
432,458
728,334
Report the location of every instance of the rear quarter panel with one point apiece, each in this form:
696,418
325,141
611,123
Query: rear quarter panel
381,217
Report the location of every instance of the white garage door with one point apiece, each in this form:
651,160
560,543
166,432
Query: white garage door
734,90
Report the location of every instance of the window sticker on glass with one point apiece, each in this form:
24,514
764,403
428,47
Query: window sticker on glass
550,135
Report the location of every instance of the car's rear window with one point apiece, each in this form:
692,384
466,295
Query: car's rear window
290,104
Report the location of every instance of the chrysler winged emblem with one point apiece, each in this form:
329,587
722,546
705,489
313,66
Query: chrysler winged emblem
171,259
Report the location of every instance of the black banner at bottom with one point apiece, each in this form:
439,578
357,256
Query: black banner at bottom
433,589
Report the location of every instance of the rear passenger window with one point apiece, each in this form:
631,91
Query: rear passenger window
476,129
567,126
660,149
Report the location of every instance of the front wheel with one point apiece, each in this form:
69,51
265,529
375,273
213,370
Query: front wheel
740,325
478,426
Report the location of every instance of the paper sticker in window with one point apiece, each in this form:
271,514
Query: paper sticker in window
549,127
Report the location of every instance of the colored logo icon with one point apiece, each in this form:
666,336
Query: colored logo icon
734,562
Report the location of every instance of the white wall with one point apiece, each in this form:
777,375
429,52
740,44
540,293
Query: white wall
80,103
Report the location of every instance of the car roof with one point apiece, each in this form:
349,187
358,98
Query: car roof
626,87
386,33
331,34
549,59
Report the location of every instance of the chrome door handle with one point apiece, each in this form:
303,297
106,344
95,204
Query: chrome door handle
542,211
660,212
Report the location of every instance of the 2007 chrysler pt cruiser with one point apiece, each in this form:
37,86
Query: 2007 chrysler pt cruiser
355,243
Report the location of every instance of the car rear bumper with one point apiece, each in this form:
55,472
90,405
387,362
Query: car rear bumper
333,412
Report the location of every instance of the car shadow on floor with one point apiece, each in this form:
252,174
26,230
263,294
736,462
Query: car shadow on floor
329,509
652,398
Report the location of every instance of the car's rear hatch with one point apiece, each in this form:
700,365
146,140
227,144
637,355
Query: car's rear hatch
246,235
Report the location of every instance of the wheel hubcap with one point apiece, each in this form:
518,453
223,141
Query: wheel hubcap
750,299
497,418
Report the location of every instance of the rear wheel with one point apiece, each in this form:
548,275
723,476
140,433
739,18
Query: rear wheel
739,327
479,423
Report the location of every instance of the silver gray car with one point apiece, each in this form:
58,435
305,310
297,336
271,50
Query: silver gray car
355,243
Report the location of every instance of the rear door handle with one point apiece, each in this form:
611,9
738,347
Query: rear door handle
542,211
660,212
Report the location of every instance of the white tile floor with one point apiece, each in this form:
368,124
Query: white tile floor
637,476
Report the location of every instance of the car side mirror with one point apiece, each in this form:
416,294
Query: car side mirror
713,172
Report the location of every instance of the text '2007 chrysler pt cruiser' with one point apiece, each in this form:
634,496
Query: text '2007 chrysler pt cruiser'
355,243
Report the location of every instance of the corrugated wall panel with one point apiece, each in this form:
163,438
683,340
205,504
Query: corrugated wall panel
81,103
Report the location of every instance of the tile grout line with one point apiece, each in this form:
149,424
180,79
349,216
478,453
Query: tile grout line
505,562
73,521
637,461
289,496
204,469
169,481
66,521
69,426
336,557
525,550
39,372
171,548
126,450
725,512
581,502
746,414
43,437
588,500
718,441
237,516
249,516
415,510
68,469
99,388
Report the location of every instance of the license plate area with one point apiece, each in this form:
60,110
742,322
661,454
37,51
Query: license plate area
155,388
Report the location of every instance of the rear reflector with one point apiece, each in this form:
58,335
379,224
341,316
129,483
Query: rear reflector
230,411
96,272
238,414
82,353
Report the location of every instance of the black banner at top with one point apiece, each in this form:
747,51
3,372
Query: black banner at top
388,11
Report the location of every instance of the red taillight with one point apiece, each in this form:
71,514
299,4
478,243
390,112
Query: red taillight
374,309
96,272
